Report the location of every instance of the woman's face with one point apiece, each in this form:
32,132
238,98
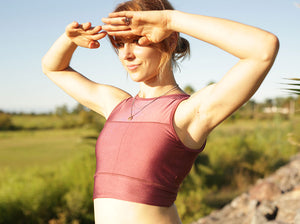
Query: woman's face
141,62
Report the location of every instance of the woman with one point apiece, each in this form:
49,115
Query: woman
150,141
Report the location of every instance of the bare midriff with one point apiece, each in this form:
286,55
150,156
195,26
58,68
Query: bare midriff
114,211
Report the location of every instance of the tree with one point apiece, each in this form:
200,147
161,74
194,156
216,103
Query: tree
5,121
86,117
211,83
61,110
189,90
269,102
78,108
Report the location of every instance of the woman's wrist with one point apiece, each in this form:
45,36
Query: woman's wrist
68,41
172,17
59,55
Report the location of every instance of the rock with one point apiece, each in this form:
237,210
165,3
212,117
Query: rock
297,218
273,200
258,218
277,222
288,206
265,211
265,190
268,210
287,177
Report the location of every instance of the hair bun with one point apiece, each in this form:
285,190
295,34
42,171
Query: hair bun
182,49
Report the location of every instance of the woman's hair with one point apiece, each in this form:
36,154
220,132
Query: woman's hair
168,53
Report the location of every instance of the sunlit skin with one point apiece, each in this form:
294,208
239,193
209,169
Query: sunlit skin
141,62
195,117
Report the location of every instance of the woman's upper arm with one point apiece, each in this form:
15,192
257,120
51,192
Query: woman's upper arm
208,107
97,97
237,87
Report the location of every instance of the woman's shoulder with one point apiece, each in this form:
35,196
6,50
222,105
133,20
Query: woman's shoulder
112,97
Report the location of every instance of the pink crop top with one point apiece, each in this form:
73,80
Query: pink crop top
142,160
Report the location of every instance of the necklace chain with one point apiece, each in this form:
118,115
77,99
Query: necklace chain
133,101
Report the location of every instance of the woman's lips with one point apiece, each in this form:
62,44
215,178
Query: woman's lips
132,67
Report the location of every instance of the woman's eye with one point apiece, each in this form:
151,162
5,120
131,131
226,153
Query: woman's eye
136,41
119,44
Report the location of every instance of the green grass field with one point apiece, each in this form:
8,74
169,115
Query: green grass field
22,149
46,174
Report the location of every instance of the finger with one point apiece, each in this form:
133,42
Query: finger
121,14
121,33
111,28
94,30
86,26
72,25
144,41
114,21
94,44
99,36
97,29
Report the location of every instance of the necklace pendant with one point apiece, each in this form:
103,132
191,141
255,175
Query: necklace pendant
130,118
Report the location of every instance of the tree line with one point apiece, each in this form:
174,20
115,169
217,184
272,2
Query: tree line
280,106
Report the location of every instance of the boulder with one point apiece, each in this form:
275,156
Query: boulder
273,200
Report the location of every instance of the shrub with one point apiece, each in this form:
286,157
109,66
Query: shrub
5,121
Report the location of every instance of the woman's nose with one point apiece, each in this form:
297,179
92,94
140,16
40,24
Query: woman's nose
127,52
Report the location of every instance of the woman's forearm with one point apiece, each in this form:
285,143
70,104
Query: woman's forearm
59,55
238,39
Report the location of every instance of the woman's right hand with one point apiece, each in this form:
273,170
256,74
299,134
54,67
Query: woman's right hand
84,35
152,26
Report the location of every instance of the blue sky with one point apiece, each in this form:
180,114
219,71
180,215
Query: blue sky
30,27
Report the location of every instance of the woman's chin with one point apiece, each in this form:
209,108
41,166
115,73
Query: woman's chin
135,77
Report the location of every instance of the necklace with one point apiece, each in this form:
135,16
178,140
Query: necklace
133,101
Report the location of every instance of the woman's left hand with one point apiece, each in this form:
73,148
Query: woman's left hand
151,25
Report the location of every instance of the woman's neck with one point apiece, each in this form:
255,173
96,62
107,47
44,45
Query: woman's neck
151,92
158,86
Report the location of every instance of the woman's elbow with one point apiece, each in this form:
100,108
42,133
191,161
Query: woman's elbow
271,47
44,67
48,65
